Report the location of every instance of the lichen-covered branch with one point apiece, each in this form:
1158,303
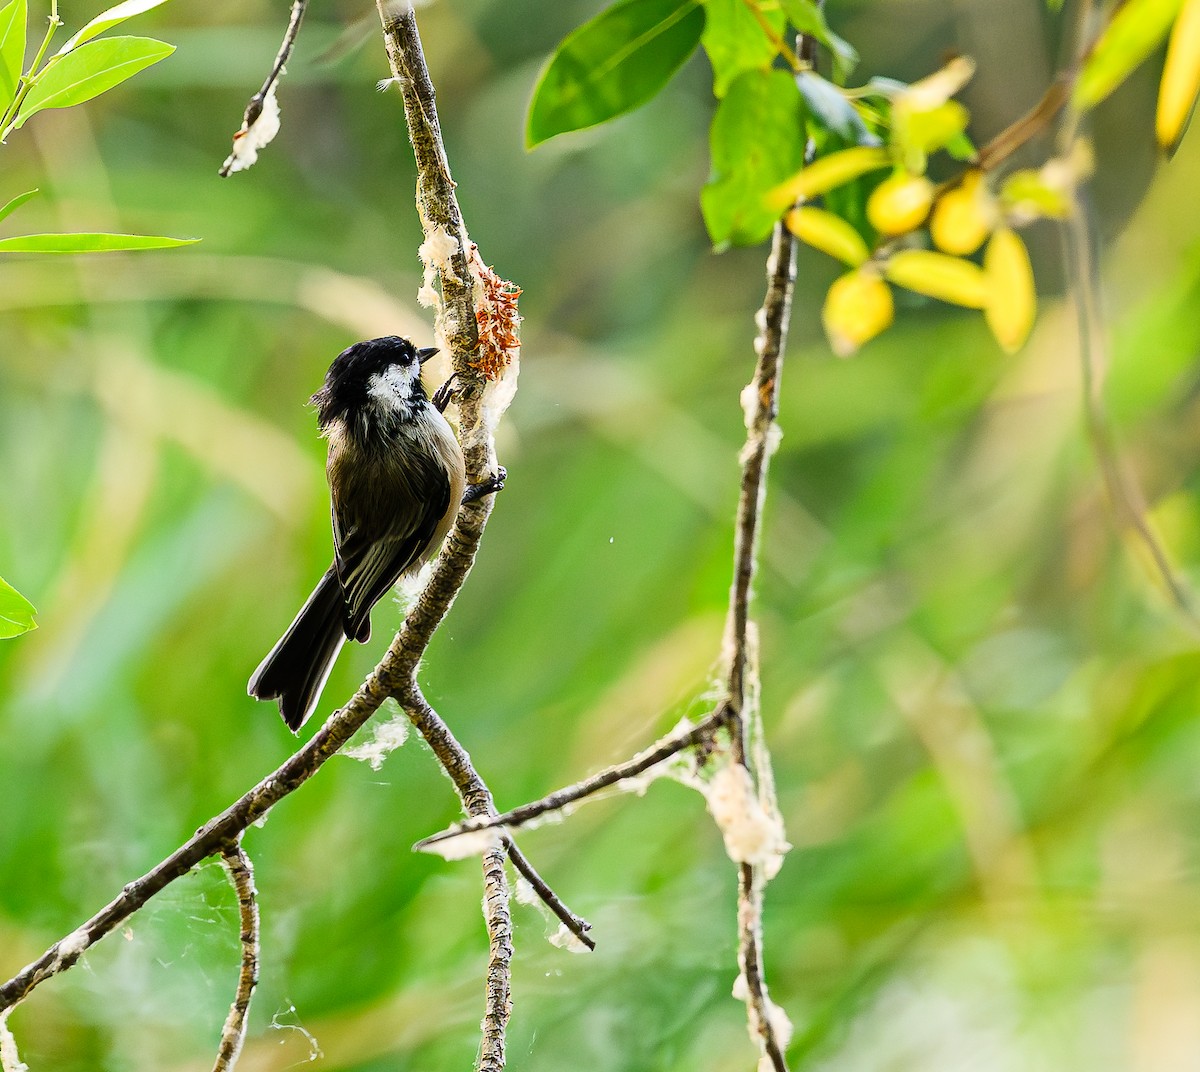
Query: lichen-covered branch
447,251
760,403
233,1034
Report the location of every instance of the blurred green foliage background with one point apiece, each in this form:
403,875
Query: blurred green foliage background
982,707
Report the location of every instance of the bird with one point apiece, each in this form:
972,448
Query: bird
396,480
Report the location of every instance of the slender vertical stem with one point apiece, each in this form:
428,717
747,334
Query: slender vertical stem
760,402
241,875
440,215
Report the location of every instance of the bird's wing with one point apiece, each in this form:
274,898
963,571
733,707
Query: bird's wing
370,558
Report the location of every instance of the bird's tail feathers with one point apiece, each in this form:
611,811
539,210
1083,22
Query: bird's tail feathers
296,669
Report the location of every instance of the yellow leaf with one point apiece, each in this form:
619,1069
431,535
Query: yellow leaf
1131,35
1011,299
936,275
1180,78
824,174
857,308
937,88
829,233
963,217
900,204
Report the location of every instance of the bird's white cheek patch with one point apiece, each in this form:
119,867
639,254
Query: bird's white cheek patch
391,387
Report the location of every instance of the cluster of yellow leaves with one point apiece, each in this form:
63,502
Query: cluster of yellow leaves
859,304
1134,32
960,218
977,208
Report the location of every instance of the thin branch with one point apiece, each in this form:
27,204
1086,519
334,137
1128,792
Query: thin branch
233,1034
562,798
1028,126
477,800
577,925
255,106
207,841
759,1006
761,404
1124,494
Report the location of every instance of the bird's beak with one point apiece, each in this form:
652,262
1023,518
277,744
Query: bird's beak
426,353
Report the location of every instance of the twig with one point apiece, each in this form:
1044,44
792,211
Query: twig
561,798
233,1034
1028,126
207,841
761,404
1124,494
255,106
577,925
477,800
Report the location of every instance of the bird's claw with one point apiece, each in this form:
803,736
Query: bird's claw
490,486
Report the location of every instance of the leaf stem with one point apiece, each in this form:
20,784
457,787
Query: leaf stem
780,45
29,79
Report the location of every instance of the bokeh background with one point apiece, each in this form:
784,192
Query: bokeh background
982,706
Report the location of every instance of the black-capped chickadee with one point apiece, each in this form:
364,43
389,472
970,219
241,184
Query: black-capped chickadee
396,480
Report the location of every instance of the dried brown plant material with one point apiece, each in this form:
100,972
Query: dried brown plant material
497,317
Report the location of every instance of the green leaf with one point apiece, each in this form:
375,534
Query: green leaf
12,50
88,242
16,612
961,147
926,131
757,141
810,19
735,40
89,71
1134,32
613,64
15,204
106,20
830,112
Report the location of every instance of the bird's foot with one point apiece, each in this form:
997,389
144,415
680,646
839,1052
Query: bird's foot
490,486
